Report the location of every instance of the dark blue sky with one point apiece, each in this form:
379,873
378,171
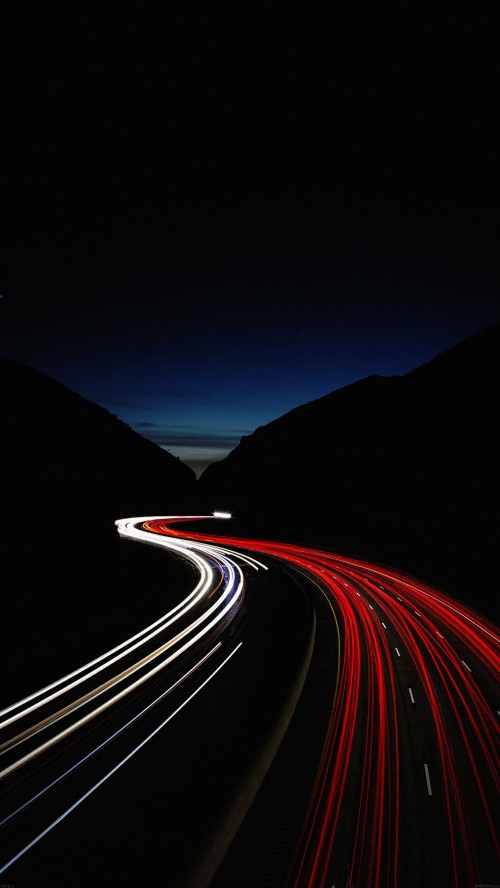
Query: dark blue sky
212,216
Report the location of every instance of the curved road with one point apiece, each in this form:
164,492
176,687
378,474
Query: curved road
406,791
119,701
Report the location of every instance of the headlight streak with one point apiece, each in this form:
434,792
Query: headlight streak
195,621
106,659
99,709
126,648
464,721
116,767
108,740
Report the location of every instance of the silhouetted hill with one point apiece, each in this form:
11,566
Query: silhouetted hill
61,451
403,470
69,468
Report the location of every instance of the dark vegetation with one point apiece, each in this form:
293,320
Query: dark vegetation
400,470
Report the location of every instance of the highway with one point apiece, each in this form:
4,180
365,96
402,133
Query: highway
405,792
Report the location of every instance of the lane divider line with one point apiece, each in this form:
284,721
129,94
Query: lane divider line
427,779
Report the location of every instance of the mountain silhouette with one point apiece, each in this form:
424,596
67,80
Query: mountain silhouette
60,450
401,470
69,468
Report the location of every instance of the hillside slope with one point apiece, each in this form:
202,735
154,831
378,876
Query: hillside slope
402,470
68,469
57,447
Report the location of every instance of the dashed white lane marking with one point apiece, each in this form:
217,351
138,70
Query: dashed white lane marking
427,779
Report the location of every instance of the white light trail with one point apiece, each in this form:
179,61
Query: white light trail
86,671
215,612
111,737
86,693
116,767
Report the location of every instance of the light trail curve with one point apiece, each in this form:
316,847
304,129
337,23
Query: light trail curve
79,717
406,792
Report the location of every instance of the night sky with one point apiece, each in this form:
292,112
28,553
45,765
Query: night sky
212,213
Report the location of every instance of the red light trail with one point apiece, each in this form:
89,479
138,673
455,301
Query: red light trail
398,638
